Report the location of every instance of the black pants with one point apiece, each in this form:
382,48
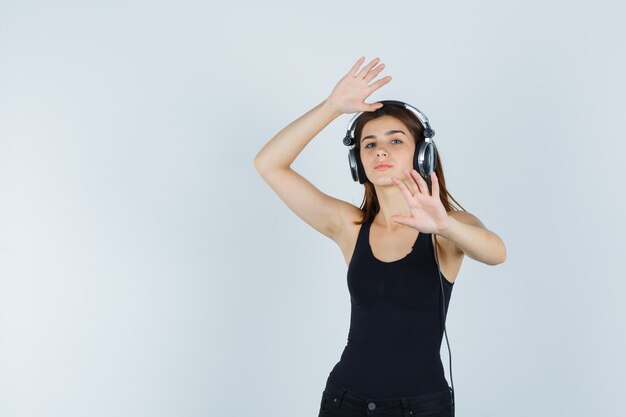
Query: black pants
337,401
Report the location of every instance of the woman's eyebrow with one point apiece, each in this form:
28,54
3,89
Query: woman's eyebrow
390,132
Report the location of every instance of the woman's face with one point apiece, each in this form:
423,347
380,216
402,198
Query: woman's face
386,140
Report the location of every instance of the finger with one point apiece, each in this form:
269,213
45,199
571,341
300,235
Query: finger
405,191
372,106
368,67
378,84
412,182
420,181
435,183
374,72
356,66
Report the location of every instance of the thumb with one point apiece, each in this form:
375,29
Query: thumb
374,106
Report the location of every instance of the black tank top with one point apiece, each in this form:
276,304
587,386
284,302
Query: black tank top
396,331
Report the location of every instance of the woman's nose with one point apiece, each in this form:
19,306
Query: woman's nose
380,151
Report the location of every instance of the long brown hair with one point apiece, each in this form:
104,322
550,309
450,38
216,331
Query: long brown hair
370,206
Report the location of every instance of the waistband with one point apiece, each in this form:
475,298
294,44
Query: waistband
339,396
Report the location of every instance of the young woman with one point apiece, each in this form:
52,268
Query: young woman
391,364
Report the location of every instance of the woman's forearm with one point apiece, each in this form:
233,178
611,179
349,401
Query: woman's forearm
286,145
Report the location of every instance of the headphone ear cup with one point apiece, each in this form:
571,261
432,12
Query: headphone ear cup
425,152
362,176
356,168
416,161
352,161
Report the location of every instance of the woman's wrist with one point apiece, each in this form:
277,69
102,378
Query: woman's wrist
331,108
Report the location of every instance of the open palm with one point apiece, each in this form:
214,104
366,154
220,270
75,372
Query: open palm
428,215
350,93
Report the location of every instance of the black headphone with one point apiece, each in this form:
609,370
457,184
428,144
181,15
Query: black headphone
424,161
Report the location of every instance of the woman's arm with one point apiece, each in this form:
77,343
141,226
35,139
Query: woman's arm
273,162
471,236
321,211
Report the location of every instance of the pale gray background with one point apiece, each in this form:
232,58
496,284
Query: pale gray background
147,270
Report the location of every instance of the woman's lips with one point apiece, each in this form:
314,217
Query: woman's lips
383,167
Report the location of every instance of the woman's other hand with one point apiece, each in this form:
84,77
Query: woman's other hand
428,215
350,93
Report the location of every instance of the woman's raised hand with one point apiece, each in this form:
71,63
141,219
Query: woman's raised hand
350,93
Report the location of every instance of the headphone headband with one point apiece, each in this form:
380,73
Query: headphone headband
428,131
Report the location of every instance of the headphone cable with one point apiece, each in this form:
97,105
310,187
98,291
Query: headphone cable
443,315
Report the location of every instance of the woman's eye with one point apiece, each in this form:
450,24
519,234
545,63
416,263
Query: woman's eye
372,143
